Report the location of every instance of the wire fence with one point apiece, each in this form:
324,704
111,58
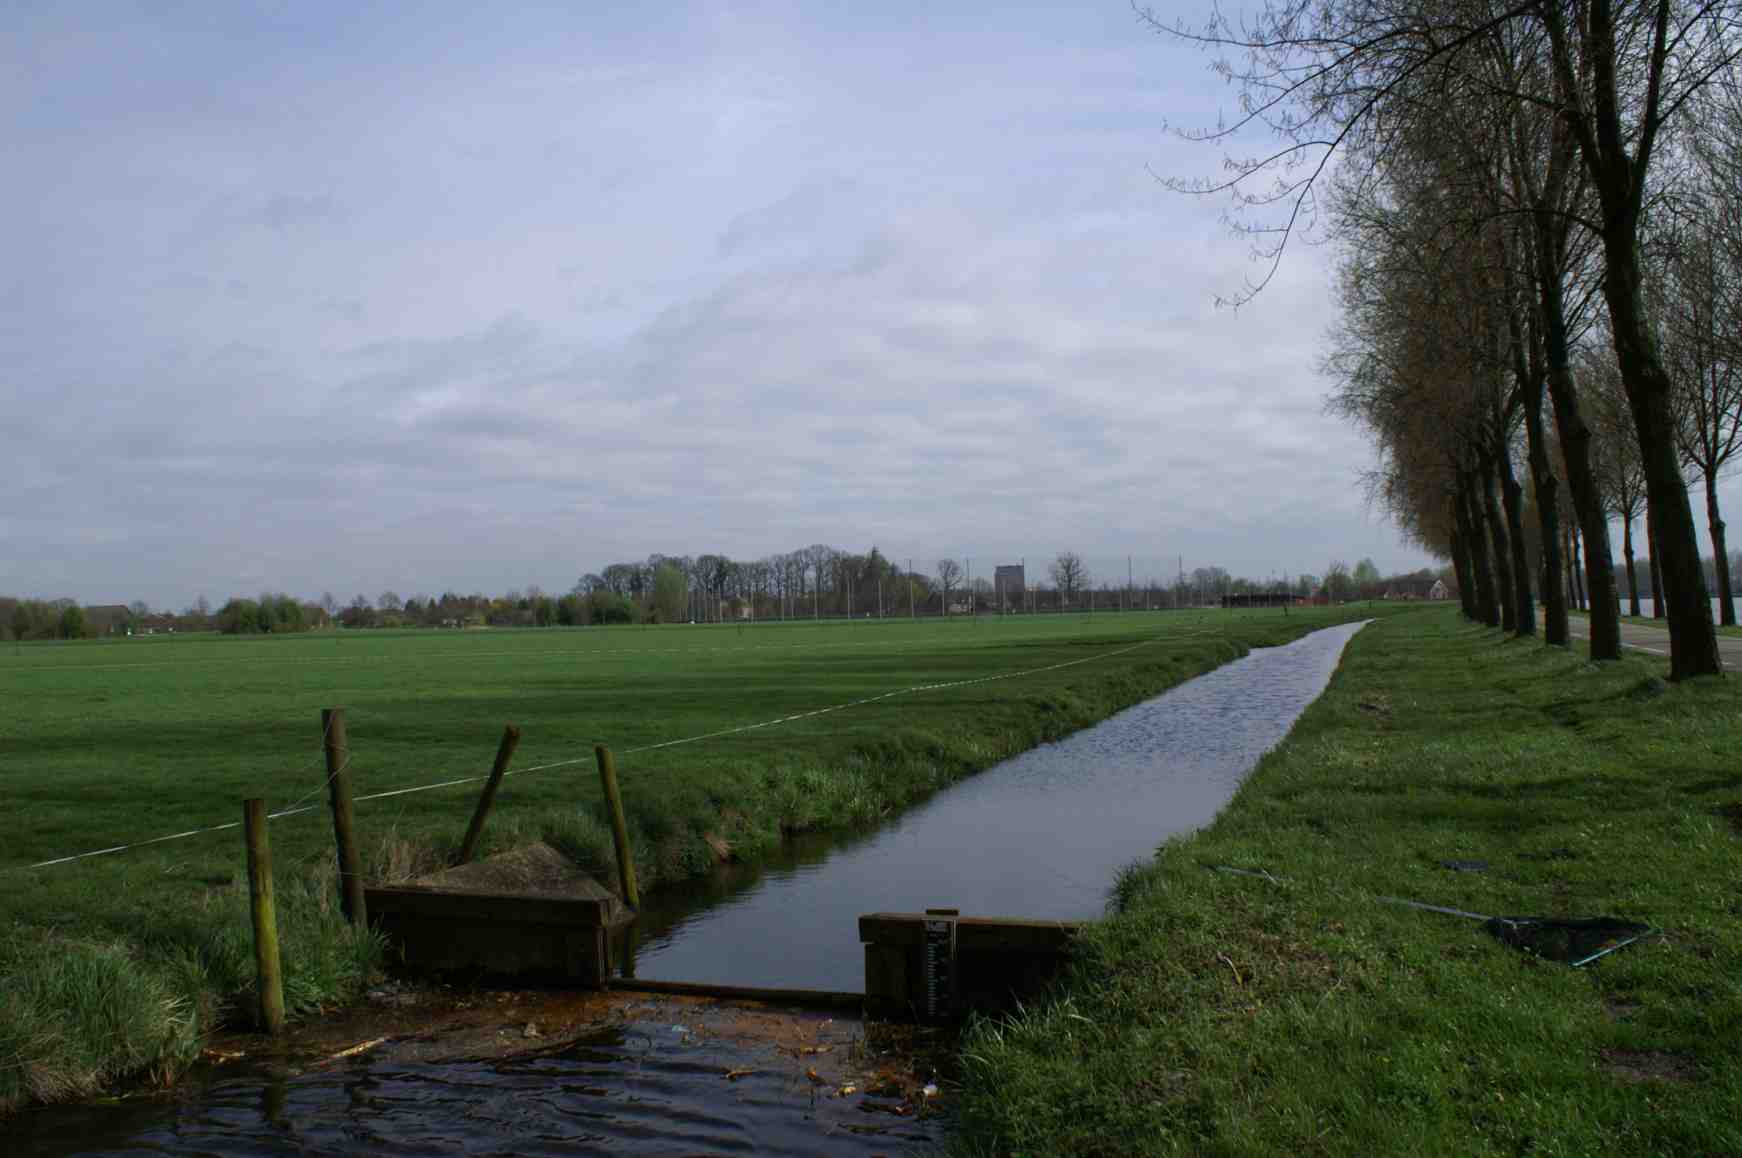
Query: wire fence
301,805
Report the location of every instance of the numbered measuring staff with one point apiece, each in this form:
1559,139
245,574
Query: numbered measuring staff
940,963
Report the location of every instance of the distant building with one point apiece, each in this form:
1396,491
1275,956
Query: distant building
1439,590
1008,586
107,618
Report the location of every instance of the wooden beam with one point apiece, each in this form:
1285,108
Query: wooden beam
490,909
973,934
825,998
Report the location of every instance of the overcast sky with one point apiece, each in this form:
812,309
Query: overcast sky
335,297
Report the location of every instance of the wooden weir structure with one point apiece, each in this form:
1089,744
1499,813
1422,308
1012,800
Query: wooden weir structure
933,966
531,915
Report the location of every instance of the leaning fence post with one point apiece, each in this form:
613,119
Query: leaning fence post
504,753
339,796
268,980
619,828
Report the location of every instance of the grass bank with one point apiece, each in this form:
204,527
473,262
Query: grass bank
1214,1013
110,743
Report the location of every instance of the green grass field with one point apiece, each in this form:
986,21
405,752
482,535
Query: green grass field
109,743
1225,1014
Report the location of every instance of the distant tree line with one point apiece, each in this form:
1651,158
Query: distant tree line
816,582
43,619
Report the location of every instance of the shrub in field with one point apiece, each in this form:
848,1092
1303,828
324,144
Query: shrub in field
72,622
604,607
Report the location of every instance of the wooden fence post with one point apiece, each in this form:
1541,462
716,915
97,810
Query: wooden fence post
339,796
504,753
619,827
268,980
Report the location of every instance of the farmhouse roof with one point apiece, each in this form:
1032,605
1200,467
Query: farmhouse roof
106,616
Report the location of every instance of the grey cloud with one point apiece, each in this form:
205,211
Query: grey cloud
801,212
284,211
676,310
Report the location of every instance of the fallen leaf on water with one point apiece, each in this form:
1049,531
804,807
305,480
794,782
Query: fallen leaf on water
816,1078
844,1091
816,1049
734,1075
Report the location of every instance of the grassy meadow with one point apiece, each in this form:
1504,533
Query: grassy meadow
114,965
1297,1013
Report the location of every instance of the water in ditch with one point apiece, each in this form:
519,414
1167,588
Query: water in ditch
1041,835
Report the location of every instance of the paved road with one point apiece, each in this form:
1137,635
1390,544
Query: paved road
1656,640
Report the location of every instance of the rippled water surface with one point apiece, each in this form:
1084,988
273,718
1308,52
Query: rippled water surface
1041,835
651,1085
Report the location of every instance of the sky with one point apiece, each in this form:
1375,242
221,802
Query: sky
341,297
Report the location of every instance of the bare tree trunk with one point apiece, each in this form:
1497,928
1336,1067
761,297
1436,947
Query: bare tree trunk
1598,574
1512,499
1475,535
1461,565
1720,554
1503,594
1548,514
1693,641
1575,438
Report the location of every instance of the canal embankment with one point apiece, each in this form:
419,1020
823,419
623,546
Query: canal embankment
119,968
1292,1006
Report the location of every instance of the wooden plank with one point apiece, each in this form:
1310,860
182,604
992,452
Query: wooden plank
824,998
484,907
888,986
1009,934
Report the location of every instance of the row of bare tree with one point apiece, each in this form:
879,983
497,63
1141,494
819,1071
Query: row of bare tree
1540,221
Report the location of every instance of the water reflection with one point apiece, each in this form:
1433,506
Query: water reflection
1041,835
